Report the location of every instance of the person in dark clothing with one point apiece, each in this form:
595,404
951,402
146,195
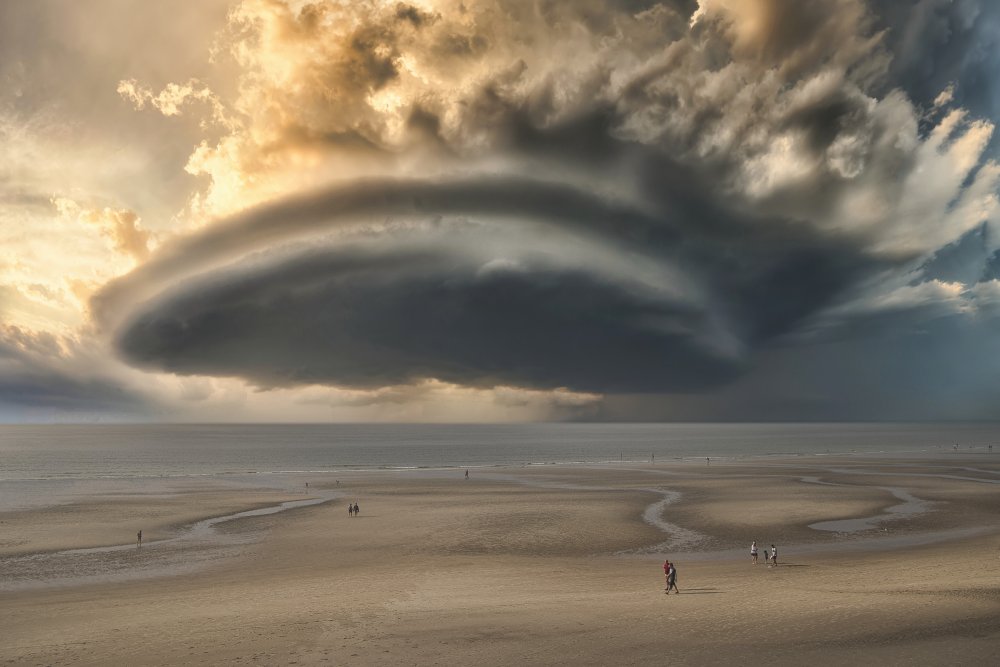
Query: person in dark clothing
672,579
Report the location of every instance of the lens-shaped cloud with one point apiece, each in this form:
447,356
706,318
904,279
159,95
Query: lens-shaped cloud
357,318
612,196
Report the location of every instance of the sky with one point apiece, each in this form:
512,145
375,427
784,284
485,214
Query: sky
499,210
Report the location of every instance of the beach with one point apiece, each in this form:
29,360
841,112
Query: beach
892,559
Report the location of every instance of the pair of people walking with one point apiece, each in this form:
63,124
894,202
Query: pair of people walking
353,510
670,574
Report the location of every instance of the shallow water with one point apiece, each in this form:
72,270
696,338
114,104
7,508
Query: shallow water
911,507
192,548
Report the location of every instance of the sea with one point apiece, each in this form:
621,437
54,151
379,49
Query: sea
102,451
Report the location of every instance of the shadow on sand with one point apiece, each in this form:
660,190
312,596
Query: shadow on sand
701,591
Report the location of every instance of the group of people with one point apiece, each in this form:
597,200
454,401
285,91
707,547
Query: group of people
353,510
670,573
770,557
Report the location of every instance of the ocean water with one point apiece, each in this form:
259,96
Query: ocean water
130,451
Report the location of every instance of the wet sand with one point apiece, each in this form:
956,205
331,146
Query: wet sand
535,565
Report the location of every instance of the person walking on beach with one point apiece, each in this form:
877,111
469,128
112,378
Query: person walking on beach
357,510
753,552
666,575
350,509
774,555
138,539
466,474
672,579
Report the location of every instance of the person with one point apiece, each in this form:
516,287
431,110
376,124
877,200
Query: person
466,474
357,510
774,555
138,539
753,552
350,509
767,556
672,579
666,575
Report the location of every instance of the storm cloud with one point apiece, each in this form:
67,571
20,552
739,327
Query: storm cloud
40,373
658,219
401,317
512,282
707,209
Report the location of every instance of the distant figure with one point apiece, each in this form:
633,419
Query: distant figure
672,579
774,555
666,576
753,552
138,539
307,485
357,510
466,474
350,509
708,461
767,556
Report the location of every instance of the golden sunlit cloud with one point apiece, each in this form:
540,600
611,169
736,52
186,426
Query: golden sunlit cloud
485,209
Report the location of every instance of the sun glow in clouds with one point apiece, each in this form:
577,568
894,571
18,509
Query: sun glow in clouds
492,210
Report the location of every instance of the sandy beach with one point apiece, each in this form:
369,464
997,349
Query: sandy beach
890,560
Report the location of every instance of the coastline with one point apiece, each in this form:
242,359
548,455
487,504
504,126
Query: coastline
544,564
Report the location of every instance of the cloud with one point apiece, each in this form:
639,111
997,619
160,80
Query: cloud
382,207
609,197
652,302
944,44
784,107
60,226
40,371
403,317
120,226
371,206
173,97
435,401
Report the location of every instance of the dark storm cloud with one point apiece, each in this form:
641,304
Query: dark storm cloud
37,371
943,369
544,321
713,200
376,200
351,319
43,388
